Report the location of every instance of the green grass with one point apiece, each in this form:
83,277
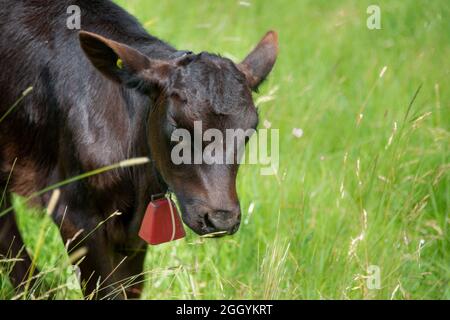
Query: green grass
344,178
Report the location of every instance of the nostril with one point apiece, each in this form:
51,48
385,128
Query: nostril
222,221
235,228
208,223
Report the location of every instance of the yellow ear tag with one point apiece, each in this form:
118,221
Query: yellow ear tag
119,63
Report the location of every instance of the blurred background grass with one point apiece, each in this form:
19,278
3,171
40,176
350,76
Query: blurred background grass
366,184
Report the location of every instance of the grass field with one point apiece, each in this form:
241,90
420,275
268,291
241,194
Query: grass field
367,184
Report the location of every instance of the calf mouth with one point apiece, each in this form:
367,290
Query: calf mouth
218,234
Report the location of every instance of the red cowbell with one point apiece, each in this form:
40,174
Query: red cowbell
161,223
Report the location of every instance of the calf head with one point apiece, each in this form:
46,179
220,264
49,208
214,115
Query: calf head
194,89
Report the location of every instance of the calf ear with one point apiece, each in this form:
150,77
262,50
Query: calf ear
261,60
123,64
